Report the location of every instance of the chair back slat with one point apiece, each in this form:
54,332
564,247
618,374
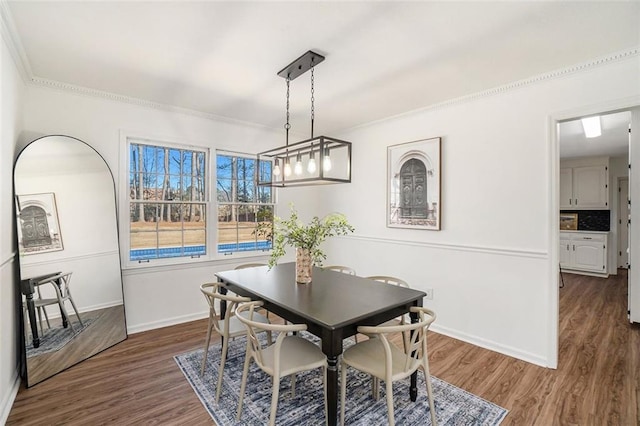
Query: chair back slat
244,313
213,295
339,268
417,347
389,280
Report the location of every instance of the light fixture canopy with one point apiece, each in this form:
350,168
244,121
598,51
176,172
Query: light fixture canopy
328,170
591,127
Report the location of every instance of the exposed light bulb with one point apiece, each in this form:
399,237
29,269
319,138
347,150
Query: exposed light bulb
297,169
326,162
287,168
276,169
311,166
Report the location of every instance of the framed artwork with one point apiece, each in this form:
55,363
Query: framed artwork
38,224
413,179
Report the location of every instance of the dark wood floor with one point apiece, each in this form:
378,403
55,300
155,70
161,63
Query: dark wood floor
138,382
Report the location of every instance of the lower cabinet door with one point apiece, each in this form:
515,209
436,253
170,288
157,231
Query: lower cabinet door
588,256
565,253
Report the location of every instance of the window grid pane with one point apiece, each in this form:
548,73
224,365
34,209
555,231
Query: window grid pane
241,204
165,218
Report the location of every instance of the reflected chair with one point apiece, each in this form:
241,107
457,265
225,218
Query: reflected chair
286,357
340,268
60,284
227,328
380,358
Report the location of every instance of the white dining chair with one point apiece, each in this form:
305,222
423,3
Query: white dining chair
227,328
289,355
383,360
340,268
61,285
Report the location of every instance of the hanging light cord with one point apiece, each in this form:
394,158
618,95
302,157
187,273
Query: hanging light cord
313,112
287,126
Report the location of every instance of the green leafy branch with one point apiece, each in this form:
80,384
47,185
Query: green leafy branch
292,232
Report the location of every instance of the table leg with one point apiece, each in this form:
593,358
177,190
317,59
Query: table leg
31,309
332,348
413,387
223,310
332,390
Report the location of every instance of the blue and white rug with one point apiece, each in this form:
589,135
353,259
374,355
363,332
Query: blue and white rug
56,338
454,406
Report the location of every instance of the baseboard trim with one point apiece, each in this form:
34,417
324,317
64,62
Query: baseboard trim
491,345
7,400
153,325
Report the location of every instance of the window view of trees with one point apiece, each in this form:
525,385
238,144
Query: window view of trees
242,204
167,193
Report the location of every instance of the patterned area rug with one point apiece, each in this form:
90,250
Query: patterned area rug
56,337
454,406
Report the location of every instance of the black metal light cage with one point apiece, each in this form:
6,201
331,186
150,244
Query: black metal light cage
319,160
339,171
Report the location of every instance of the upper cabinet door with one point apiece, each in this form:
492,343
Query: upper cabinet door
590,187
566,189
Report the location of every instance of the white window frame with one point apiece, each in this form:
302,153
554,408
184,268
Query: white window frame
126,139
211,203
215,204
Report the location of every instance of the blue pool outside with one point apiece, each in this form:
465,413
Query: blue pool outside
165,252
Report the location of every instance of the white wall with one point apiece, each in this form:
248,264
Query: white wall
492,266
11,95
634,228
159,296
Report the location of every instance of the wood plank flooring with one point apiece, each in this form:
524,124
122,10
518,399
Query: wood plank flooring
107,328
597,382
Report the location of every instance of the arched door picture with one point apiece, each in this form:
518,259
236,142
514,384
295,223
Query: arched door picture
35,227
413,204
38,228
414,185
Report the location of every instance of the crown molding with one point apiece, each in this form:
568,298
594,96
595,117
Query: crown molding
551,75
13,43
94,93
12,40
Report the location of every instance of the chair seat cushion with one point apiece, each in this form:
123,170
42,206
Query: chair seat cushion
368,356
296,354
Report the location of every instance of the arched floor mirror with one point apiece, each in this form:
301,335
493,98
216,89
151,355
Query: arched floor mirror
71,296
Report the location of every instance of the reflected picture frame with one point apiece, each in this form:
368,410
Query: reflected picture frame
38,224
413,185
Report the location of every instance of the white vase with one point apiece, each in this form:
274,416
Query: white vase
304,266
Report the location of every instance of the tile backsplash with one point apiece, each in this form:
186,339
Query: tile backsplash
592,220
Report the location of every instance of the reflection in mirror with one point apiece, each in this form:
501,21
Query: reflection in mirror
71,282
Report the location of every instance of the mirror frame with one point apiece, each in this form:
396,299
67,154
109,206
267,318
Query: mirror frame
23,368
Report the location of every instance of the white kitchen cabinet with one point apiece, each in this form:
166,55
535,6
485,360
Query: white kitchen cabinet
565,250
584,251
584,187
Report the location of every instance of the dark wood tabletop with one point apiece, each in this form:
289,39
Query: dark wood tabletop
333,305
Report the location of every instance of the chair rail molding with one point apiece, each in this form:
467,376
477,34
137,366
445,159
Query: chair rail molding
498,251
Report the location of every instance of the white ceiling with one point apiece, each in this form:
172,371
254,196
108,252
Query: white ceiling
613,142
383,58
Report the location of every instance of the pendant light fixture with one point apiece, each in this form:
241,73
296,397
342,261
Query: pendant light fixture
333,164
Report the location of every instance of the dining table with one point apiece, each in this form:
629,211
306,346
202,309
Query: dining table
332,306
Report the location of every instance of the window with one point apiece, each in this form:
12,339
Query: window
167,202
242,204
